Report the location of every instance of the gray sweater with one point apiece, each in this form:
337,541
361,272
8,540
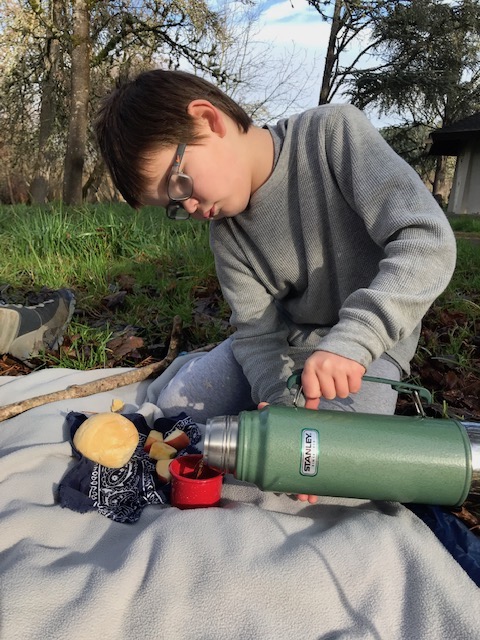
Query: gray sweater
343,249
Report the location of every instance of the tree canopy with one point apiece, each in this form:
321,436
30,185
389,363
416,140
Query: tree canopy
58,57
430,63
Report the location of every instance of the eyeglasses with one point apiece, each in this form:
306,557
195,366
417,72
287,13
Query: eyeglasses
179,188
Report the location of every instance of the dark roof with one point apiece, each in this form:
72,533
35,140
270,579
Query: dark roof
451,140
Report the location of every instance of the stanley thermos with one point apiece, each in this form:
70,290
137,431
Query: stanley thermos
335,453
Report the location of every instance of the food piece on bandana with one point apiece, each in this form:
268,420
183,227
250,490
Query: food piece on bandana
153,436
107,438
162,451
178,439
162,469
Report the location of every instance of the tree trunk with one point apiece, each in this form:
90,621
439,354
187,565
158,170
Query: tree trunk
331,54
93,182
39,187
439,181
80,82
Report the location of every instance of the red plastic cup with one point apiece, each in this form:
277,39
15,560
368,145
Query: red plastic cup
189,492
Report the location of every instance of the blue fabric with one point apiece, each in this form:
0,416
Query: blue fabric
121,494
459,541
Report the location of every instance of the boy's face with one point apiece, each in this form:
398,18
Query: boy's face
218,168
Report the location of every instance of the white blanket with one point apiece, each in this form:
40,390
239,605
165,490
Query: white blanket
262,566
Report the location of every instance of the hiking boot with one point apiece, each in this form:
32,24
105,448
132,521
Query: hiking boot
25,331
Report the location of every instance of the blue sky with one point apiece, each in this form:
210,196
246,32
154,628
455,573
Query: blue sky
287,48
294,23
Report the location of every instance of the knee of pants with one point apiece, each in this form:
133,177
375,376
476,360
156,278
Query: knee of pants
206,388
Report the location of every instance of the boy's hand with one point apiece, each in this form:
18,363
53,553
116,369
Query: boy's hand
301,496
328,375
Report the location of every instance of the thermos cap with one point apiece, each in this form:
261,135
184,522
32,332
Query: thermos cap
473,433
220,443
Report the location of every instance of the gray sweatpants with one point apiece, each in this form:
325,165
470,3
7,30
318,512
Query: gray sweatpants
213,384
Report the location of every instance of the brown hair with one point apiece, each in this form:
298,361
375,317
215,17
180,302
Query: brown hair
148,113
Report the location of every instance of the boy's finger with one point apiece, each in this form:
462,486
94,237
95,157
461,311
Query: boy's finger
312,403
311,386
304,497
342,387
354,383
327,387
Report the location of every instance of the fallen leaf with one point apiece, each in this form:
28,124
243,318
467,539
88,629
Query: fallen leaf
126,282
451,380
114,300
124,345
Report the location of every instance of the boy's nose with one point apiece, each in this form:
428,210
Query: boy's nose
190,205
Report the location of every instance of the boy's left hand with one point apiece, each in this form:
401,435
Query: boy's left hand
328,375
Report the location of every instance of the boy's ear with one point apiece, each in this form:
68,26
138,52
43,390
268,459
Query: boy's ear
207,117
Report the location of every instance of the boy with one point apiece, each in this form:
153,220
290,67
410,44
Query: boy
328,248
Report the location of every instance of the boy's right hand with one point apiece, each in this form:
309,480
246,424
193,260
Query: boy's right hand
328,375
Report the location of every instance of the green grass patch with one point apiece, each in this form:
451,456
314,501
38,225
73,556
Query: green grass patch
465,223
466,279
88,349
167,269
447,360
96,250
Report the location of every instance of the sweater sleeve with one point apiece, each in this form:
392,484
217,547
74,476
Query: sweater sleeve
402,217
260,340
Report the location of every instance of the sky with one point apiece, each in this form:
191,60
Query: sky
294,25
297,26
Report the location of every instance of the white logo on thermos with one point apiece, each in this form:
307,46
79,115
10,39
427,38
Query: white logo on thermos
309,460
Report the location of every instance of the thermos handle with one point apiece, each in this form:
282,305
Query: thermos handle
295,380
403,387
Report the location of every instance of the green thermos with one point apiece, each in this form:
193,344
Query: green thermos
335,453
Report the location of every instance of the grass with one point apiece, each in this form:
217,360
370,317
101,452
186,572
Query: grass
88,349
465,223
447,360
167,269
95,250
83,247
465,282
455,315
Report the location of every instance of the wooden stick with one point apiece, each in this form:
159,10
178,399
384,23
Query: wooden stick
103,384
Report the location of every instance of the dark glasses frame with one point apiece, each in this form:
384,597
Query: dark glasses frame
174,210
